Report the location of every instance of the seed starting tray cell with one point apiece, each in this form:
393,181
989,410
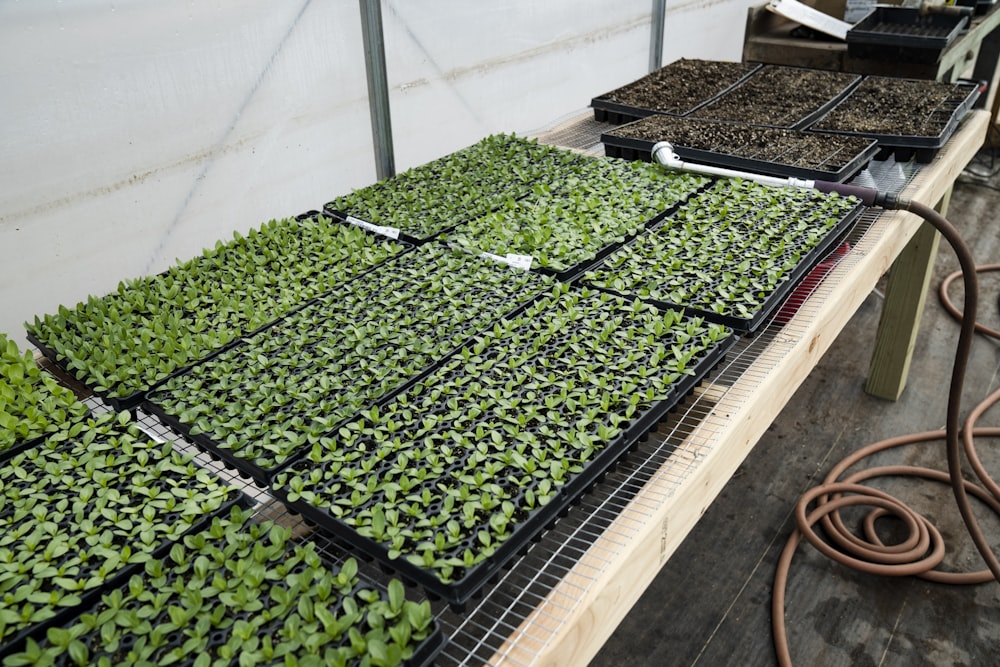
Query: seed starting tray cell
715,256
457,475
676,89
761,150
908,117
780,96
257,404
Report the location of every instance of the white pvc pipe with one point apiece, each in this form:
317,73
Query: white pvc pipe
663,152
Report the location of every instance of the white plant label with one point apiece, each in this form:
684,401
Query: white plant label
522,262
391,232
806,15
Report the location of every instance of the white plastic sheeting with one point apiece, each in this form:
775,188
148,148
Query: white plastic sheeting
133,133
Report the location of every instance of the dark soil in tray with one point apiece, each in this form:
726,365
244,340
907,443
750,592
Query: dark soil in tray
903,107
779,96
789,147
680,86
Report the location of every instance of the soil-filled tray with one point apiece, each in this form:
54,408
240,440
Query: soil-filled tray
676,89
780,96
83,509
762,150
456,475
566,228
731,254
420,203
32,402
239,592
904,34
910,118
123,343
277,392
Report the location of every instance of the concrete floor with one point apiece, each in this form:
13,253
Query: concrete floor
710,605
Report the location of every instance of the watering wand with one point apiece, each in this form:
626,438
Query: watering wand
877,558
663,153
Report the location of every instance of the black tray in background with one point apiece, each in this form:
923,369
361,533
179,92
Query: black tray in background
904,34
921,148
616,113
802,121
774,301
529,530
639,149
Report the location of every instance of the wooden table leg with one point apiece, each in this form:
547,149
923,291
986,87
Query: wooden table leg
905,294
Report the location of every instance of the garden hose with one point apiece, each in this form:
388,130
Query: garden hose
954,311
923,549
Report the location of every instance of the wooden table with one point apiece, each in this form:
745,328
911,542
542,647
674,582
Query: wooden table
715,431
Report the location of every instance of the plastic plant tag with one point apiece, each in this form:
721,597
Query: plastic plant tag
519,261
391,232
522,262
806,15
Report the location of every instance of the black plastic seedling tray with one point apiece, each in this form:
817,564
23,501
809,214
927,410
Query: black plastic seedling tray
772,97
611,111
751,325
951,110
131,401
737,158
529,530
516,302
904,34
423,656
66,615
573,272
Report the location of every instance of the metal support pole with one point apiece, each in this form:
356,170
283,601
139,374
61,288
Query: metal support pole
378,87
656,35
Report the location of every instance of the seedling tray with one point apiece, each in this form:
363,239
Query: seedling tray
115,578
169,573
535,518
390,326
931,111
759,150
576,230
306,271
422,203
980,7
904,34
574,271
780,96
769,304
676,89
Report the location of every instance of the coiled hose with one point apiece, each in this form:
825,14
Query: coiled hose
923,549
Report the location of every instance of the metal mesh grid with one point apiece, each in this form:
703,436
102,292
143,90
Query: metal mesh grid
496,627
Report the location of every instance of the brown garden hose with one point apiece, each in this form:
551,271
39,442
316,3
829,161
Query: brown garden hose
923,549
954,311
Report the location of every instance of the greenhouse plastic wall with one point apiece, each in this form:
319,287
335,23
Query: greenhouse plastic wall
133,133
